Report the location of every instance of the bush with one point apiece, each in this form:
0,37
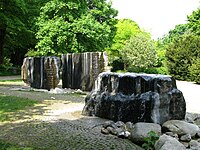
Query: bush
154,70
195,71
150,140
180,55
139,52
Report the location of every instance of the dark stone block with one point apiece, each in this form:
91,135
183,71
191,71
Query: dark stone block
79,71
136,98
41,72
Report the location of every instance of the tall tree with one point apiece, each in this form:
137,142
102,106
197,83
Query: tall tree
13,30
125,29
194,21
139,52
75,26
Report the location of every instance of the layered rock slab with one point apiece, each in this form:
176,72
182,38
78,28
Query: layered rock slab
136,98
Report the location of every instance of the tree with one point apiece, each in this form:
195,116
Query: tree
194,21
16,28
139,52
125,29
181,53
194,70
11,16
75,26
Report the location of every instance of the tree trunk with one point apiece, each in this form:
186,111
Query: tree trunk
2,36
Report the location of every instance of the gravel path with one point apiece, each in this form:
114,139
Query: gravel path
57,124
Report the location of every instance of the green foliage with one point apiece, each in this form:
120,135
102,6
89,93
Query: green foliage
125,29
139,52
194,21
75,26
11,104
8,146
150,141
16,30
180,55
194,70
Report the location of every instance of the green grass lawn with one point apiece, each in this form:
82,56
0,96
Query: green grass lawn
8,146
12,104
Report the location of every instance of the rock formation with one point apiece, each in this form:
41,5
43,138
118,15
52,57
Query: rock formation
79,71
41,72
136,98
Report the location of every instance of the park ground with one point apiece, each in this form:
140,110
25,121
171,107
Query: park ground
55,121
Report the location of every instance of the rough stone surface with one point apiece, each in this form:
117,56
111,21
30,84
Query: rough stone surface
194,145
41,72
141,130
166,142
174,135
79,71
136,98
180,127
186,138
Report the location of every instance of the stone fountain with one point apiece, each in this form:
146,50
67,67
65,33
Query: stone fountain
79,70
41,72
136,98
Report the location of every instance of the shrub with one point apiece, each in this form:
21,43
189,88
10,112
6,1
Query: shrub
139,52
150,140
195,71
180,55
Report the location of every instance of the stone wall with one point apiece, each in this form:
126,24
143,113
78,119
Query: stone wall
136,98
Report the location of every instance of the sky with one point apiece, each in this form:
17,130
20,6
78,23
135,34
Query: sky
156,16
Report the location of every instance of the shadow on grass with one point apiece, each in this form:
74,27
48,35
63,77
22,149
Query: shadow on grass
14,108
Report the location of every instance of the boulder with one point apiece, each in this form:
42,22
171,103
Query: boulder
136,98
180,127
141,130
186,138
166,142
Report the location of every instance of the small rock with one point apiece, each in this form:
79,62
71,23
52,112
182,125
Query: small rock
166,142
194,145
186,138
120,132
198,134
180,127
108,124
120,124
141,130
121,135
56,91
104,131
112,130
127,134
129,126
174,135
53,98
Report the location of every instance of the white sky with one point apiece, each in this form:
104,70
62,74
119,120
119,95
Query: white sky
156,16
